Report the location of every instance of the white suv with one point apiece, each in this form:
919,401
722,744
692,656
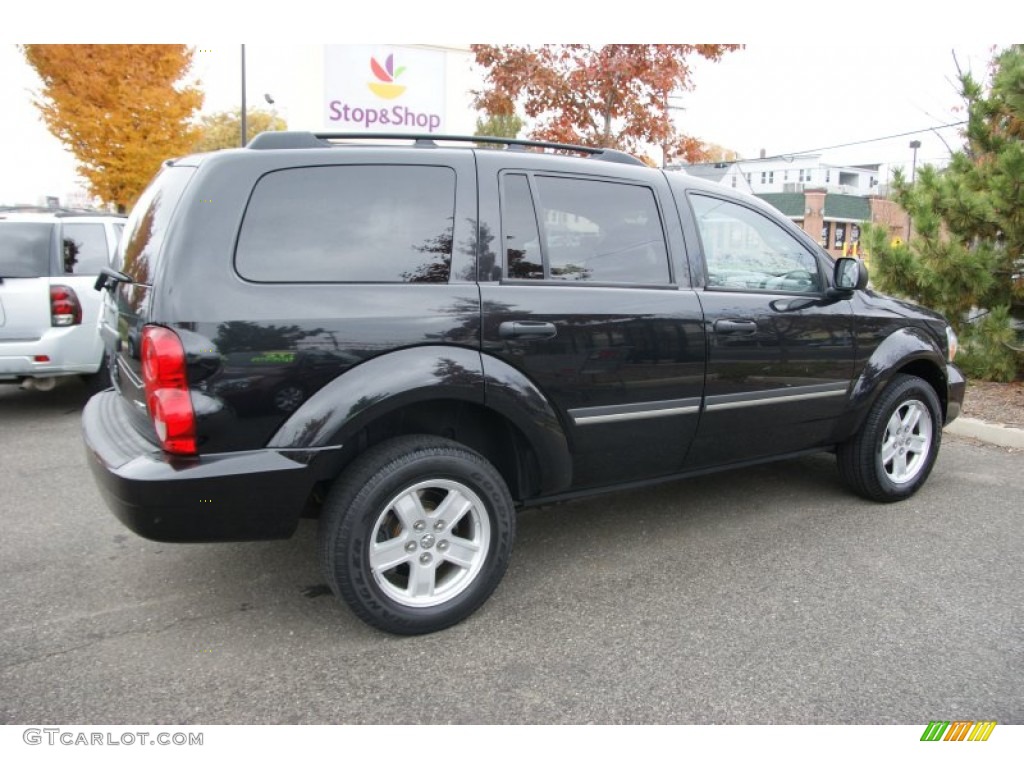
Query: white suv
49,312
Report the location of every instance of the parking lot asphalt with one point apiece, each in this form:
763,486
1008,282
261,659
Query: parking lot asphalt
767,595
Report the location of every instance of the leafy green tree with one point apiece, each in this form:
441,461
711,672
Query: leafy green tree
121,110
223,130
965,257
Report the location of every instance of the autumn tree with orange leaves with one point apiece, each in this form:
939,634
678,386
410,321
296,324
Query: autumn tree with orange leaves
121,110
608,96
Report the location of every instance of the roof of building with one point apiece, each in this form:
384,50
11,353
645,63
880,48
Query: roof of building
789,203
855,207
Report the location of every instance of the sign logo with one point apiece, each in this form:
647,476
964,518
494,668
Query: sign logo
958,730
369,88
385,85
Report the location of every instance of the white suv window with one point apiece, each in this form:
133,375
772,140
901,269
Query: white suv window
85,249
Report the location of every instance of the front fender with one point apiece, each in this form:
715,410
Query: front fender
904,347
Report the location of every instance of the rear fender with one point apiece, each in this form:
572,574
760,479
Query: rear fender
377,386
385,384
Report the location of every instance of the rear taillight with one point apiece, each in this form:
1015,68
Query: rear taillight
65,309
167,395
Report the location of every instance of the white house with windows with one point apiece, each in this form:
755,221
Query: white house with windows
790,173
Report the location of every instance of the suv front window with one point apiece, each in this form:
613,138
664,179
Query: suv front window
744,250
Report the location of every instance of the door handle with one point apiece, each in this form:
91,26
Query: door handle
522,329
742,327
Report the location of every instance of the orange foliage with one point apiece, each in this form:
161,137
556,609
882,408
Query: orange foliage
609,96
118,108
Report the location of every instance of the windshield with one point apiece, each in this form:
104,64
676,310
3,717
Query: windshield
25,248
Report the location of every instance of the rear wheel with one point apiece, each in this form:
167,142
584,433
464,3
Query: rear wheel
895,450
416,534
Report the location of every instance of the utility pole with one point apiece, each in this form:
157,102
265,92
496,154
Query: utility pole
914,145
243,94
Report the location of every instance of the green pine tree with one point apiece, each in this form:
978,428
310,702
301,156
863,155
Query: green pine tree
504,126
966,254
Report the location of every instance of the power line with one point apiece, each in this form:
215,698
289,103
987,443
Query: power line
784,155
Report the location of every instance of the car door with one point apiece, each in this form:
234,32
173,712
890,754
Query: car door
588,297
780,352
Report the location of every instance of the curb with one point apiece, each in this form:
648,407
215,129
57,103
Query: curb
1007,437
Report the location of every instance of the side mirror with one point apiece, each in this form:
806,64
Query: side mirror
850,275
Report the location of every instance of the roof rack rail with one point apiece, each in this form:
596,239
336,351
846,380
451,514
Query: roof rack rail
308,140
59,211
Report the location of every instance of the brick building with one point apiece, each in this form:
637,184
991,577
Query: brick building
835,220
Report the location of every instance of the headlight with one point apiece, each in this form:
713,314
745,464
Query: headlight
952,343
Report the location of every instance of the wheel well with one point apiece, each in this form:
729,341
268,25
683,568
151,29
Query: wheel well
488,433
927,370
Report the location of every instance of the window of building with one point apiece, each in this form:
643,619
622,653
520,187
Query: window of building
349,223
840,236
593,231
764,177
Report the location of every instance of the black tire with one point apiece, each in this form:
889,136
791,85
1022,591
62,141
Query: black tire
389,505
892,455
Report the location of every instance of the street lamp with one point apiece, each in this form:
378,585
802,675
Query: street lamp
914,145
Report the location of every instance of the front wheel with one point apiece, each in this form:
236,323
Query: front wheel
895,450
416,534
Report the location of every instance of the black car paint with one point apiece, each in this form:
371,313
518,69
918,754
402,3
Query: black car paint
620,395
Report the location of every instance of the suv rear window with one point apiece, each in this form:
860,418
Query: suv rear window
590,230
25,249
147,225
351,223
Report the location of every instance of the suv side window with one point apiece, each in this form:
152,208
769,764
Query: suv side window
349,223
745,250
589,230
84,249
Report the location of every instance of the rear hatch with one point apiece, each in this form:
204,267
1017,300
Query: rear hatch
26,260
126,306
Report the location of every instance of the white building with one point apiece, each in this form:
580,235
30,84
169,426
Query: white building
790,173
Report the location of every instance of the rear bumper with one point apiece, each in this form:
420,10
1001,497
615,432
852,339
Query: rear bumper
956,385
69,352
240,496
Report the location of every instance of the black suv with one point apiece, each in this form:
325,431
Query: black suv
411,340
